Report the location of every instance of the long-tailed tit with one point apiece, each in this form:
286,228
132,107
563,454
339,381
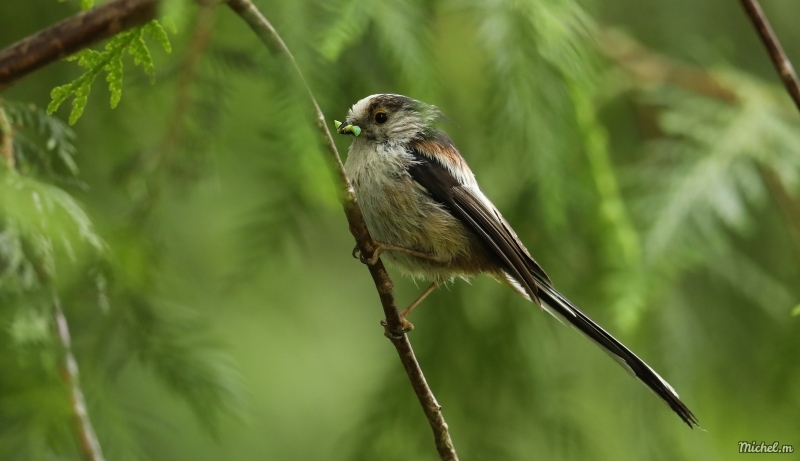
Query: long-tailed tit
423,207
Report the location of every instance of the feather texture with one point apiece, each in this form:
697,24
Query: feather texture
465,201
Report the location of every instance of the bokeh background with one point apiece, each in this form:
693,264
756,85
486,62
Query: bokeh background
643,150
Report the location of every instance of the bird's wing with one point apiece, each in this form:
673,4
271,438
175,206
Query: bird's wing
467,203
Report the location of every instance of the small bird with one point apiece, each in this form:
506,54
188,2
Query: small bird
423,206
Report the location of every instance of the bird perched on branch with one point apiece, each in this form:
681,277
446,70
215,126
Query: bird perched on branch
423,206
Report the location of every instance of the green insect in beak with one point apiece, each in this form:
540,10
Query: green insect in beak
347,129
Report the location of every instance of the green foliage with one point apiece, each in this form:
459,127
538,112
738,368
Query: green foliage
43,144
718,153
174,342
403,37
50,252
48,243
666,214
110,61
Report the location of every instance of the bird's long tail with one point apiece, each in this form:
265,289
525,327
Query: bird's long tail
560,307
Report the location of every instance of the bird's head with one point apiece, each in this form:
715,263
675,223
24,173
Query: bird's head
389,118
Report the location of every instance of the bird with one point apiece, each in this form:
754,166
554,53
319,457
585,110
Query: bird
424,208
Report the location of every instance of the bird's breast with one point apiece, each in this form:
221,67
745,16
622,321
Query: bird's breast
397,210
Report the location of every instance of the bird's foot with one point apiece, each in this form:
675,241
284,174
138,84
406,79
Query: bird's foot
404,327
380,247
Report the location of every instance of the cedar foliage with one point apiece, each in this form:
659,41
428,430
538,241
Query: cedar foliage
669,215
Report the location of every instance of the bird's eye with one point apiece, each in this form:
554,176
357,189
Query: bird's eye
381,117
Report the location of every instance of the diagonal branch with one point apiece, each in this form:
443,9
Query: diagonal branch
649,67
69,372
85,29
774,48
264,30
71,35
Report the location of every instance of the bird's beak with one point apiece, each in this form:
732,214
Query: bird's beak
347,128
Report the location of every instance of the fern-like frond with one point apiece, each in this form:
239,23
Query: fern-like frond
716,150
53,226
110,61
174,343
532,110
403,37
43,143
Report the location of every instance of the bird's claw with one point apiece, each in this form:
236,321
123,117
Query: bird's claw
371,261
358,254
404,327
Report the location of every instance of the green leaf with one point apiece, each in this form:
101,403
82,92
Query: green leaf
87,58
114,79
348,28
154,30
80,100
55,140
58,95
110,61
141,54
796,311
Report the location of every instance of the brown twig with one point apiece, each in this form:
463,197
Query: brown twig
85,29
650,67
264,30
201,37
774,48
72,35
156,160
6,139
69,372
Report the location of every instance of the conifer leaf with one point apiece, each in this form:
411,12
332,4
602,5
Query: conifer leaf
348,27
114,79
80,100
155,31
141,54
110,61
56,136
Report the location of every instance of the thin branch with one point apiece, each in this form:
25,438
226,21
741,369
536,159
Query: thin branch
651,67
264,30
157,159
201,37
85,29
71,35
69,372
6,139
774,48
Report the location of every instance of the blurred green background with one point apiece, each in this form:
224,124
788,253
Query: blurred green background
643,150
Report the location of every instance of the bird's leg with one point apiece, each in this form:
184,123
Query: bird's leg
380,247
405,325
424,295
